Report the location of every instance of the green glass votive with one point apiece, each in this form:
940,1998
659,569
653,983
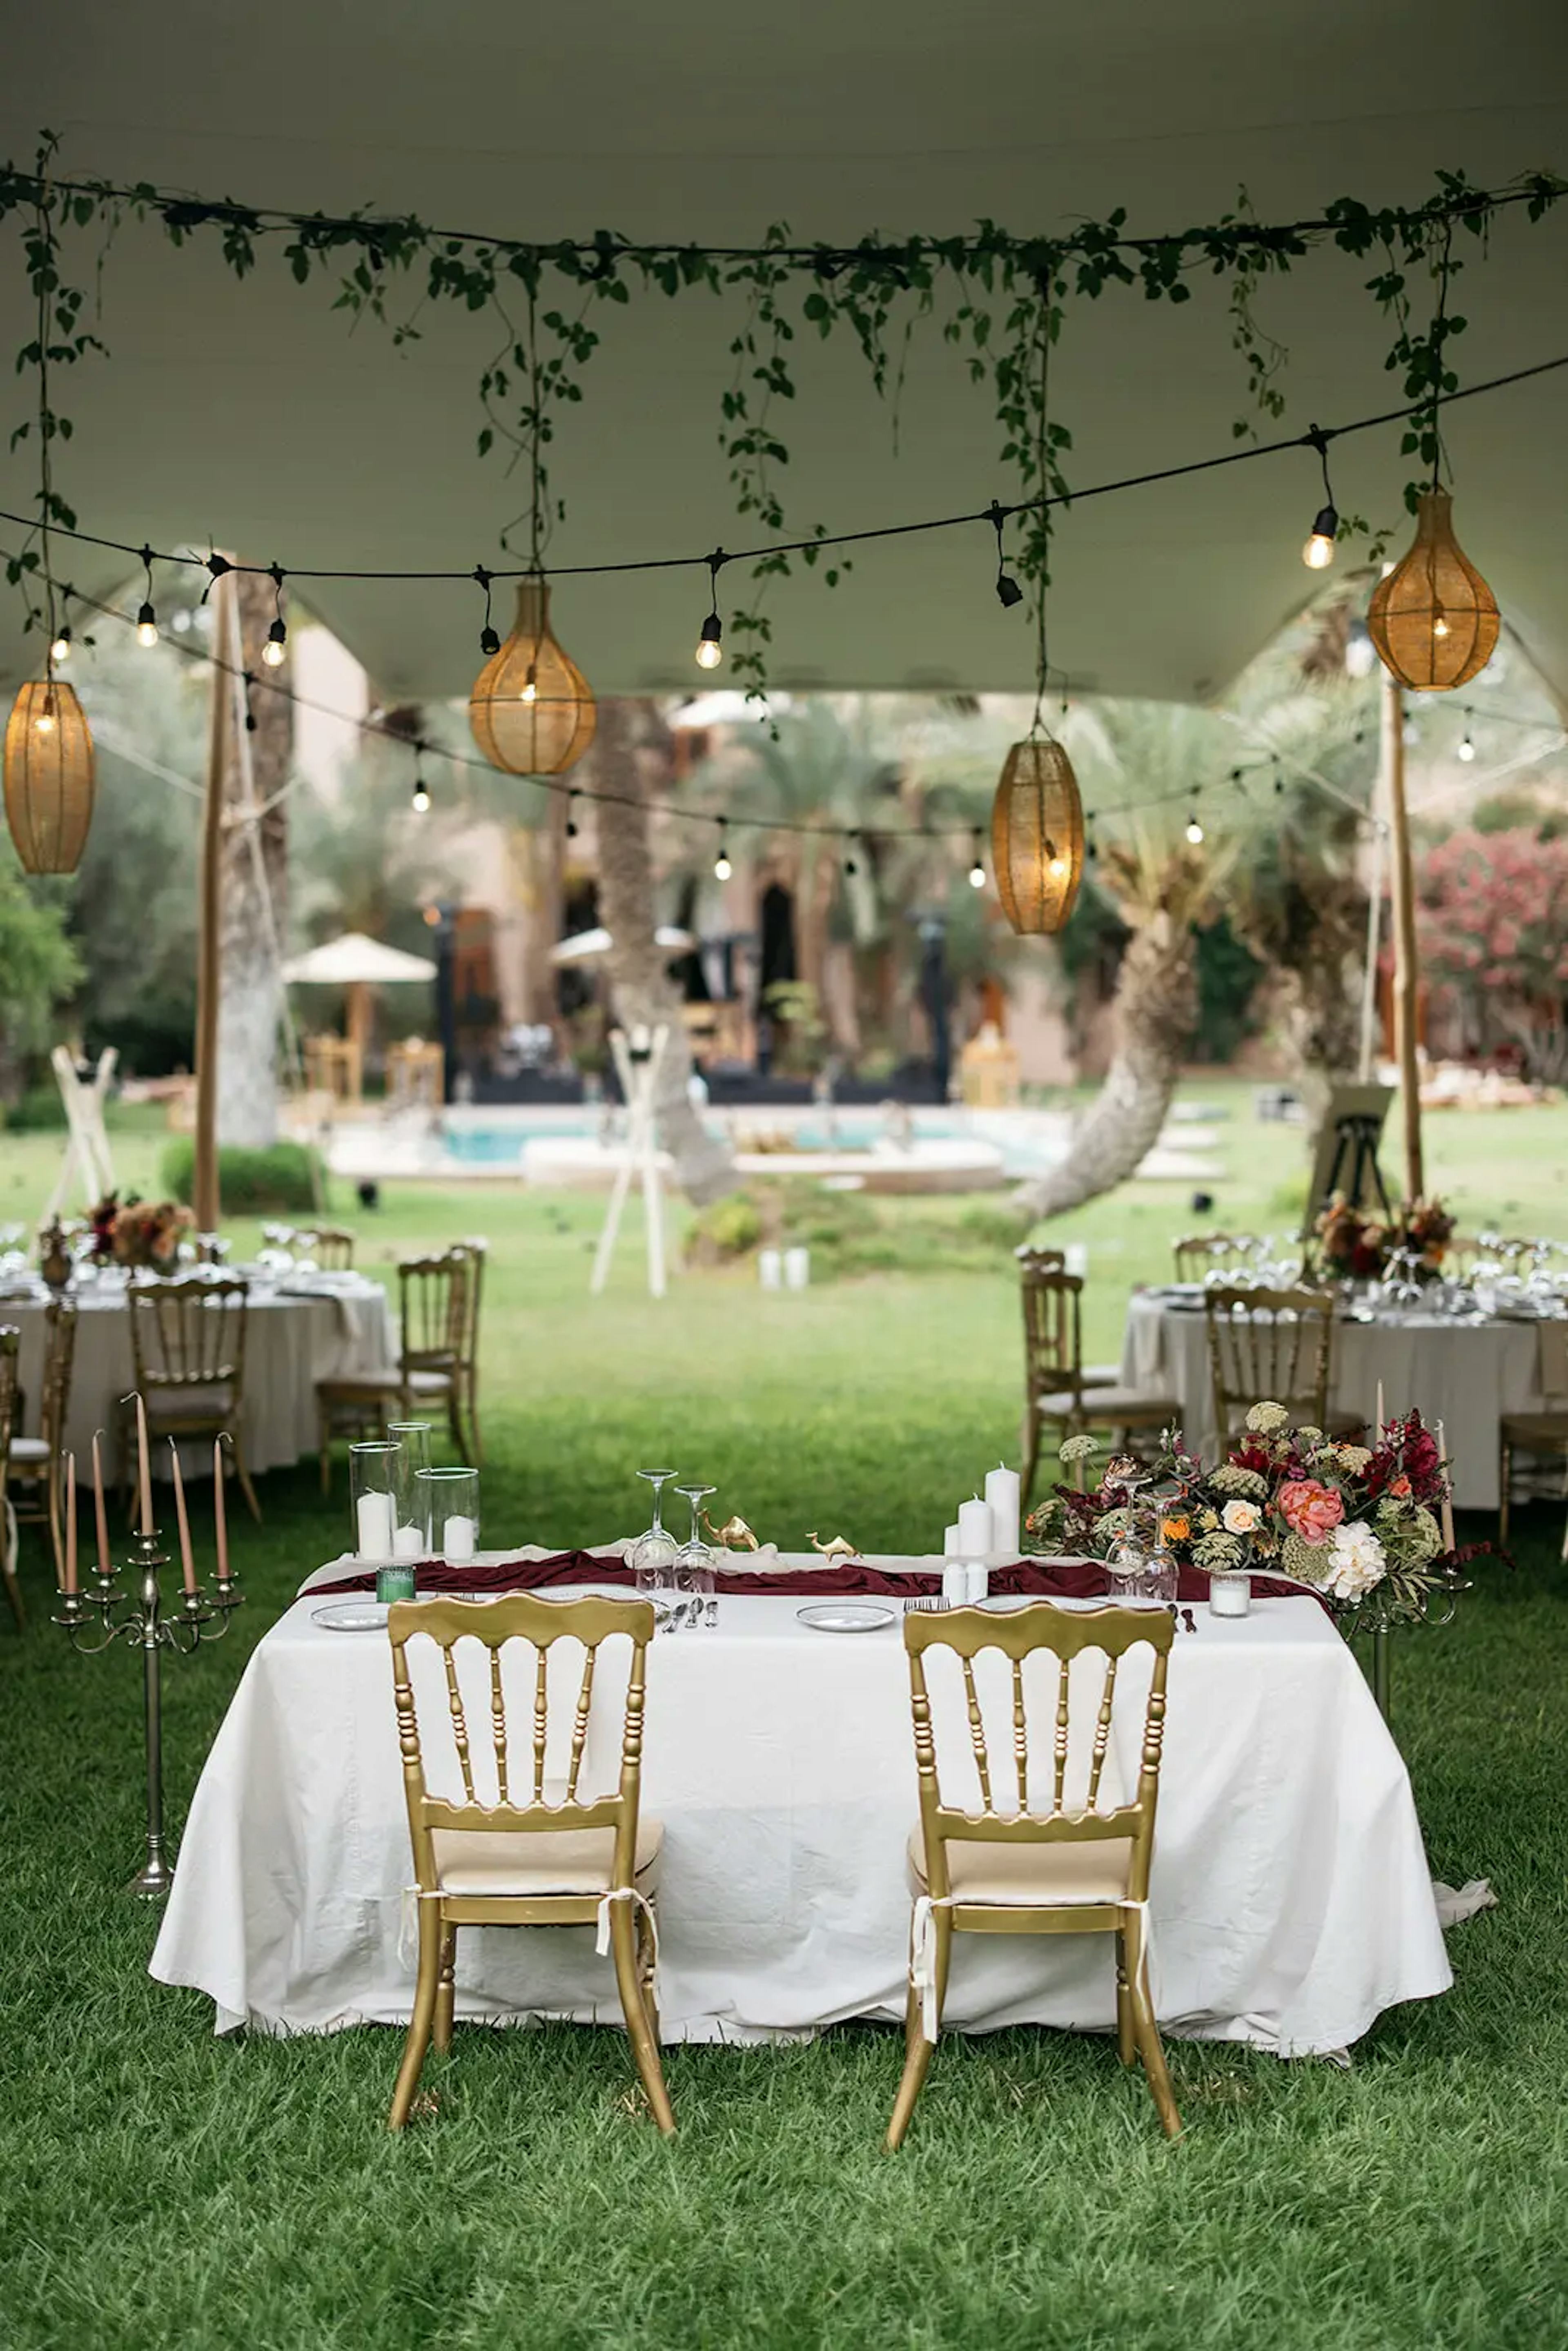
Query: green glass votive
396,1582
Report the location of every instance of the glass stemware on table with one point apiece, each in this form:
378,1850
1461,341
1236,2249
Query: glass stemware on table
696,1600
652,1558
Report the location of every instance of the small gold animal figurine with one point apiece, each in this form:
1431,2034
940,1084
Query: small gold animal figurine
735,1534
839,1549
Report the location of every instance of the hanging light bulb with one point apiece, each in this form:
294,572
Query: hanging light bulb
489,642
851,865
976,864
276,650
1317,552
1467,748
722,868
571,816
532,711
146,626
1432,618
420,799
49,777
1193,830
1037,836
61,651
1009,592
710,645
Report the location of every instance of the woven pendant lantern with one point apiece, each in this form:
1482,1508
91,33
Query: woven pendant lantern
1433,619
532,711
1036,837
49,781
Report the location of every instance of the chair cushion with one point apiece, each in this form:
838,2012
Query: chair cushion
1093,1871
536,1861
1113,1404
1534,1428
430,1382
1101,1375
28,1449
367,1391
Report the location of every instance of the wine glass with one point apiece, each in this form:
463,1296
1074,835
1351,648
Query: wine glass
695,1567
651,1557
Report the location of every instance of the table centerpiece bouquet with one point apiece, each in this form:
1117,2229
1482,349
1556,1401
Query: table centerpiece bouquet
137,1232
1355,1246
1368,1528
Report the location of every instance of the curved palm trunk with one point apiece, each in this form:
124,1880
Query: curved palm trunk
1155,1012
639,985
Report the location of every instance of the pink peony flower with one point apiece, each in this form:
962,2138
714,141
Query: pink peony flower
1310,1509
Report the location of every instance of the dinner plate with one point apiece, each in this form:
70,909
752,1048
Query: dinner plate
352,1616
845,1616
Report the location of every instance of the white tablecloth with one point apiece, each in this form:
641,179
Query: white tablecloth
291,1342
1290,1899
1465,1374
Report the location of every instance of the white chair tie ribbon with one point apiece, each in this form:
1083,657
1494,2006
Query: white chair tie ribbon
407,1926
923,1957
1146,1945
626,1894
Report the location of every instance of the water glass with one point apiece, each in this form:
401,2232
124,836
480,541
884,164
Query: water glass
449,1507
372,1499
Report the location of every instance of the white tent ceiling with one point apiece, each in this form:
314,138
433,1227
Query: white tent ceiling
247,417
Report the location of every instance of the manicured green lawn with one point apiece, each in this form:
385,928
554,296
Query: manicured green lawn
157,2186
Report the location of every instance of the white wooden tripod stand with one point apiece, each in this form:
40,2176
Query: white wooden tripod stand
86,1152
637,1060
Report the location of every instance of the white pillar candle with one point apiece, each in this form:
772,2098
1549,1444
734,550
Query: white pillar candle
956,1583
408,1542
375,1526
951,1541
1448,1507
976,1584
974,1529
457,1539
797,1268
1002,1495
1379,1412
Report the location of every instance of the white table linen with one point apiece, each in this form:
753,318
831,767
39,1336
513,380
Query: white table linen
1466,1375
1290,1899
344,1330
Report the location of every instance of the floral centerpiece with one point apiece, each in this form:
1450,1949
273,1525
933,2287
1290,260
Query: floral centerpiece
136,1232
1355,1246
1368,1526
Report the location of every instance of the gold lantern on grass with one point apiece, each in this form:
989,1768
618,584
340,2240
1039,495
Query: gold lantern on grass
1037,836
1433,619
532,711
50,780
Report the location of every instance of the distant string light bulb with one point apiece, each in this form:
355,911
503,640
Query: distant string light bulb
146,618
489,642
421,795
1193,830
710,644
851,865
1467,748
275,653
60,649
976,864
722,868
1009,592
571,814
1317,552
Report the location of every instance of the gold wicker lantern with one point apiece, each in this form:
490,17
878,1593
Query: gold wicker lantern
1433,619
532,711
1037,836
49,782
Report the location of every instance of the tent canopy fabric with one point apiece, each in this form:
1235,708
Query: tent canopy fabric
356,961
246,415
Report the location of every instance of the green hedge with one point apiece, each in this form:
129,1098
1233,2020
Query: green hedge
280,1179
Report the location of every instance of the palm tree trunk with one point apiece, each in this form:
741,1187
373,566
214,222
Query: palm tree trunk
253,885
630,735
1155,1014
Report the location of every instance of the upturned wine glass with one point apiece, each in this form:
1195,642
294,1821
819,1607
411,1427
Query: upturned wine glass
695,1565
651,1557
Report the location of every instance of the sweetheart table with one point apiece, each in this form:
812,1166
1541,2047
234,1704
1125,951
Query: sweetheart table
1290,1900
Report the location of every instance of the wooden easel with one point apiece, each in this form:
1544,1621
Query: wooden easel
637,1060
87,1155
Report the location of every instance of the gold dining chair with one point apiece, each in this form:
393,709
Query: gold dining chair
10,1340
1271,1347
1543,1433
435,1324
466,1381
38,1463
529,1858
332,1246
1056,1388
187,1349
1013,1867
1199,1254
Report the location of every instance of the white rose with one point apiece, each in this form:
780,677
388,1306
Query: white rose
1241,1518
1356,1561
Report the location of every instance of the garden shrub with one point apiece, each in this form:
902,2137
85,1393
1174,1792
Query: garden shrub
279,1180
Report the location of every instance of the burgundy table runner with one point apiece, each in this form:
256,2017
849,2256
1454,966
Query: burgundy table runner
1087,1579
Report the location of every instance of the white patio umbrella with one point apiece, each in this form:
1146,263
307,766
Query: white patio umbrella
583,947
357,963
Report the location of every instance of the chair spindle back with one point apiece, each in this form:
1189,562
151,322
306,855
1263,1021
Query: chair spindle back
189,1335
1052,1336
1269,1345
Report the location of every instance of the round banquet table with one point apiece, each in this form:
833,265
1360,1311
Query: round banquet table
1464,1373
336,1326
1290,1901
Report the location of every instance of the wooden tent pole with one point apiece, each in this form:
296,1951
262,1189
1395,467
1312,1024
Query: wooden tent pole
1407,973
205,1194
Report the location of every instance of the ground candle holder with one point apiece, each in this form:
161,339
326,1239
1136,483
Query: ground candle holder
134,1614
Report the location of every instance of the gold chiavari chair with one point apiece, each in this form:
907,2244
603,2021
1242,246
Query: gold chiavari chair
1056,1388
464,1401
1543,1433
38,1463
187,1345
1199,1254
10,1340
332,1246
436,1321
527,1856
1010,1865
1273,1346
